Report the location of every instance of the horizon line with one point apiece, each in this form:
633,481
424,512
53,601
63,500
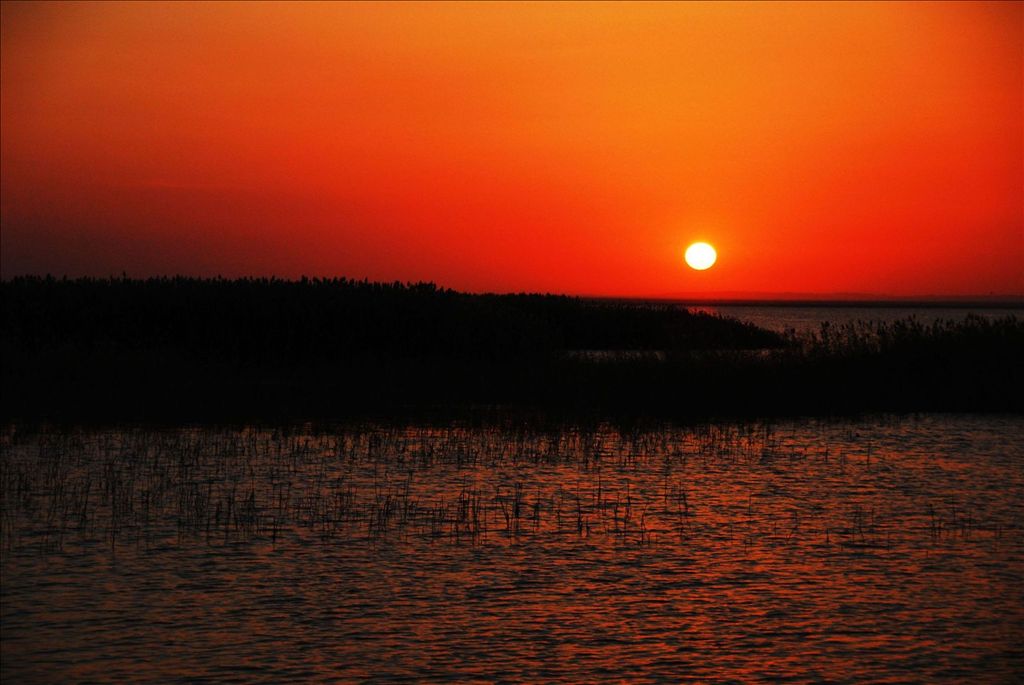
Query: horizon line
734,297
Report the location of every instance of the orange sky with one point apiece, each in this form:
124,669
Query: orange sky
822,148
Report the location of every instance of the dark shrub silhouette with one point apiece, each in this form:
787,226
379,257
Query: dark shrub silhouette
181,348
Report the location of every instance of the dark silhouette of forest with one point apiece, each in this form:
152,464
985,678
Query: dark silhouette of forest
182,348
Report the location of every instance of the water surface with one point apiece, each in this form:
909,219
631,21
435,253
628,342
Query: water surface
880,550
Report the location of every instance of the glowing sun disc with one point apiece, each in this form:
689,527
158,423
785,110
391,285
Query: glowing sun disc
700,256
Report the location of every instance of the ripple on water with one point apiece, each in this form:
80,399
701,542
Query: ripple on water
881,550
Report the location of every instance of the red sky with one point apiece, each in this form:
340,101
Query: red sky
822,148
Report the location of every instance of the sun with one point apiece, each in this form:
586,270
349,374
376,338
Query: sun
701,256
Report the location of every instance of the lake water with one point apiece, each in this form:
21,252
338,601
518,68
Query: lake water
805,319
880,550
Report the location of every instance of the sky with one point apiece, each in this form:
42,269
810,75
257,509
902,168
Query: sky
570,147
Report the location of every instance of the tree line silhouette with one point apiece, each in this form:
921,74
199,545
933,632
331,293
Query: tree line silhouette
184,348
270,321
